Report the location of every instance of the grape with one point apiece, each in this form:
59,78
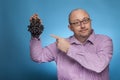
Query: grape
35,28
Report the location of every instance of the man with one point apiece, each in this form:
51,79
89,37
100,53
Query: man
83,56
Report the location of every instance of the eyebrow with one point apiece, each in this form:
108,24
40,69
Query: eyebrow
79,19
75,20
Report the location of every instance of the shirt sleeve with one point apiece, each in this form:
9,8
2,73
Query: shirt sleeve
39,54
96,61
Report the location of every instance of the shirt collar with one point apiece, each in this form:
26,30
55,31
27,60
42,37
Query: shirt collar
90,39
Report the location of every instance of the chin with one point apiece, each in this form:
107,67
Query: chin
84,36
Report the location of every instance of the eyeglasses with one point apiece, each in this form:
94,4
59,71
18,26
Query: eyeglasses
78,22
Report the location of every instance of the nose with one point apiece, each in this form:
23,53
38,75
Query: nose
82,25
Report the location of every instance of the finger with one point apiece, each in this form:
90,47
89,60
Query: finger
54,36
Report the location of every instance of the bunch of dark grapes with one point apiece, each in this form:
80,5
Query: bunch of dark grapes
35,27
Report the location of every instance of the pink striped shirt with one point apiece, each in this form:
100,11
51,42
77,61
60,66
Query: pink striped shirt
88,61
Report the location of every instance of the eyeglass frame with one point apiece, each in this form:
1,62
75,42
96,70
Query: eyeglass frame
78,22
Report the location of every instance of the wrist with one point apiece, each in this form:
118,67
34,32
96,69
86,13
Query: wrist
36,38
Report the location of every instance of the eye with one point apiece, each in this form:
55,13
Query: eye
86,20
76,23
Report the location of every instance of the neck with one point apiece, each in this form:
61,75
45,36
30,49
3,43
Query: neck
81,39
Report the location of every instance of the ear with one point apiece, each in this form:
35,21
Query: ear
70,27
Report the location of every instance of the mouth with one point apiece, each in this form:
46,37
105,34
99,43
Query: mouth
83,31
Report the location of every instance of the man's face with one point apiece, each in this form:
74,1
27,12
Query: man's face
80,24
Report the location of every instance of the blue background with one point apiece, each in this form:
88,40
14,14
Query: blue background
15,62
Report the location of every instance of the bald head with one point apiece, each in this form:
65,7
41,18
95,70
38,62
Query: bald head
77,13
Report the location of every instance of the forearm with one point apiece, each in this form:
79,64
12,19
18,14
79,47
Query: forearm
95,61
35,50
39,54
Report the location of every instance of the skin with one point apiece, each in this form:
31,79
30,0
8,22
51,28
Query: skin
83,31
